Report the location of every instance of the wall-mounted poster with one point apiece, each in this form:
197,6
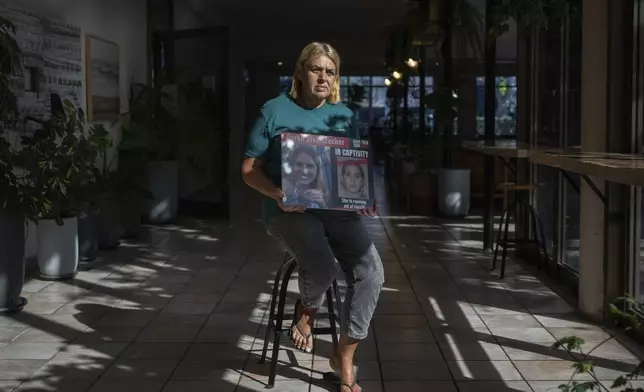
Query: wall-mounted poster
102,74
52,64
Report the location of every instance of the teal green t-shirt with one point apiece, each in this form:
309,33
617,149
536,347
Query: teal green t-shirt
282,114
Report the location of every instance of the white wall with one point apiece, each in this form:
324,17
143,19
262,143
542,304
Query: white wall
121,21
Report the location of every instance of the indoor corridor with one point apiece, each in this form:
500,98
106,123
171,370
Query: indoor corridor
184,310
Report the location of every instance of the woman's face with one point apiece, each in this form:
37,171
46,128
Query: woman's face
352,179
304,169
318,77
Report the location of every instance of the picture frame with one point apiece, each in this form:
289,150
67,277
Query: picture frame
102,79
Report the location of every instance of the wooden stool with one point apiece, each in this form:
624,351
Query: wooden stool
510,211
276,318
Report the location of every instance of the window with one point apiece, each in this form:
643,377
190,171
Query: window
374,104
285,84
506,105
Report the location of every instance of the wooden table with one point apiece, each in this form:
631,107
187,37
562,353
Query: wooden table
505,150
618,168
608,168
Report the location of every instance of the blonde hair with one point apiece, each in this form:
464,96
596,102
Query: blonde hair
311,51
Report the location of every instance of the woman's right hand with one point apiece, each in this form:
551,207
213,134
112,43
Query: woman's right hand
279,197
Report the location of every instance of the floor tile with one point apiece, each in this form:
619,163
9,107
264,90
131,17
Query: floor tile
547,370
477,351
415,371
127,385
19,369
493,386
420,386
7,334
8,386
484,370
228,370
247,385
30,350
199,386
157,370
158,351
54,384
404,335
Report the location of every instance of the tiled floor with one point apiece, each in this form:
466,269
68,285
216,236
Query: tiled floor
184,310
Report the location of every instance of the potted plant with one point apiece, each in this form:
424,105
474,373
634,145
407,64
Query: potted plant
15,202
461,26
118,194
150,130
89,206
60,163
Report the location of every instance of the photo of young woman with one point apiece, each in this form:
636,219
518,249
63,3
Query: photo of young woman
352,179
302,180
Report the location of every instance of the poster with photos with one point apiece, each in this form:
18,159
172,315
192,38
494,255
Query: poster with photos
326,172
52,64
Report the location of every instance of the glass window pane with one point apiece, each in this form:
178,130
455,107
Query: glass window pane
639,262
285,83
506,105
379,97
378,81
571,224
360,80
546,196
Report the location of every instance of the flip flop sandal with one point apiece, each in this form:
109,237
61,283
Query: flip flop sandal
341,383
307,337
351,386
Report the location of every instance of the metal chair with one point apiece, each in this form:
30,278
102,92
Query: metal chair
276,318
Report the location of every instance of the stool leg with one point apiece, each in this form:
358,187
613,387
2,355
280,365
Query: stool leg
270,327
535,229
338,301
278,324
498,238
331,310
505,241
537,219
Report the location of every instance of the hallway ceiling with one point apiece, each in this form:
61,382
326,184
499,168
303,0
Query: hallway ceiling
277,30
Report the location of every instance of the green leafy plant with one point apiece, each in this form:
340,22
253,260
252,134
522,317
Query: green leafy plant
59,162
530,14
625,312
10,65
149,128
15,193
125,183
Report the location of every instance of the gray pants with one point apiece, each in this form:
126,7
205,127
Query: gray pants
316,239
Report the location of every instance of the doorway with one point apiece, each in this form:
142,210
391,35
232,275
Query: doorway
195,66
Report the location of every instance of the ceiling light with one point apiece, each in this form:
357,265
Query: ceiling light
279,63
387,82
412,63
396,75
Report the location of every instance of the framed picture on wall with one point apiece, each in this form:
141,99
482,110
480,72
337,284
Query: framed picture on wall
102,79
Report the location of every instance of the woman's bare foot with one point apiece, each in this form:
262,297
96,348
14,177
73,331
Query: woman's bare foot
301,331
346,372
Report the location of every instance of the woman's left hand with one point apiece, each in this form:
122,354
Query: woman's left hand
315,196
370,212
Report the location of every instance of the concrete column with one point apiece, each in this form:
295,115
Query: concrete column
594,115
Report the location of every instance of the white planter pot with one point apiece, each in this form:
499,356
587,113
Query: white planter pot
58,248
454,192
163,184
12,261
